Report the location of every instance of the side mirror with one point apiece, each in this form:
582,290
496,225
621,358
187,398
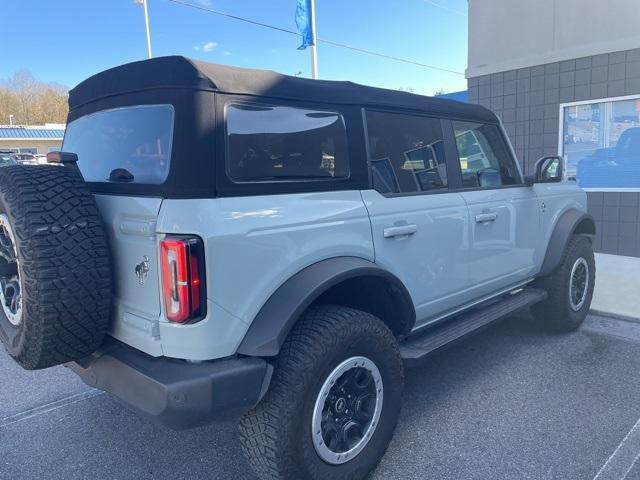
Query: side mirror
62,157
549,169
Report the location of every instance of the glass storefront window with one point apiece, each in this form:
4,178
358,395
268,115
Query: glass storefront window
601,143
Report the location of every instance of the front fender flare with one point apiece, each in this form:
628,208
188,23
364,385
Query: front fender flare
277,316
570,222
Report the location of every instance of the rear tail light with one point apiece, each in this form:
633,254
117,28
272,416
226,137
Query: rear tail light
182,260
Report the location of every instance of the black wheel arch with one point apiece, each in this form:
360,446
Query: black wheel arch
570,223
348,281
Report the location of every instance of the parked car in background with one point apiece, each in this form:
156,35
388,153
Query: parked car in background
6,158
25,158
223,242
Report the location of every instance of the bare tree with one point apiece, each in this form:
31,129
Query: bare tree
8,105
31,101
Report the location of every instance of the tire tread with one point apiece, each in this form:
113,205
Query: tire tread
262,430
65,263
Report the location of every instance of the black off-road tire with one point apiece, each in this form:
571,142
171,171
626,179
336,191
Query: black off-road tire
277,434
63,263
556,313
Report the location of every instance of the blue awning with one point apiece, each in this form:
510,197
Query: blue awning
18,133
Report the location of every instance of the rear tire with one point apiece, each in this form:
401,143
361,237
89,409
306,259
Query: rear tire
55,258
570,288
295,433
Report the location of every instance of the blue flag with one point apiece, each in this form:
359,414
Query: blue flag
303,22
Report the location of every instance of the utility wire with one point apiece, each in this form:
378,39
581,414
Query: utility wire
234,17
444,7
390,57
322,40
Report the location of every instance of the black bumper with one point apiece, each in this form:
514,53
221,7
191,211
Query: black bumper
173,392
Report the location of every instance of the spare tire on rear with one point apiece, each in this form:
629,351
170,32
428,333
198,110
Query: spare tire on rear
55,267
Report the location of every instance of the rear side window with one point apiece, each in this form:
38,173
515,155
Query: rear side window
123,145
485,160
406,153
281,143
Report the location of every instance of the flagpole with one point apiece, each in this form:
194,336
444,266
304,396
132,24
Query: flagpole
314,52
146,24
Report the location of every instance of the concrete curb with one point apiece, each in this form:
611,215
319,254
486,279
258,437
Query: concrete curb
618,316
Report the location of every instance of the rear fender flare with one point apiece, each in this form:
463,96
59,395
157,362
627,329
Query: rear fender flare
277,316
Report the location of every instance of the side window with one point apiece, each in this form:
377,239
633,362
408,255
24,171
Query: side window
407,153
279,143
485,159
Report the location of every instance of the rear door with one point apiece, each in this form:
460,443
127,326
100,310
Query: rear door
504,223
419,226
131,224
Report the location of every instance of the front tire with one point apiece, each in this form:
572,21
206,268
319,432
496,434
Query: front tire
570,288
333,403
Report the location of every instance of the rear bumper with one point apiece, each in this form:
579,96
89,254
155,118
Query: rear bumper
173,392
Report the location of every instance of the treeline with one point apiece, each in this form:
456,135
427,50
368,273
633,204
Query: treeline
32,102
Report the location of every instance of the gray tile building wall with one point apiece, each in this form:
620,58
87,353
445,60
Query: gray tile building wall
528,102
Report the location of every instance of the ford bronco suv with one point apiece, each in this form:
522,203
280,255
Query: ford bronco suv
217,242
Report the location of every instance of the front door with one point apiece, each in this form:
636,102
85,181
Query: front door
504,217
419,226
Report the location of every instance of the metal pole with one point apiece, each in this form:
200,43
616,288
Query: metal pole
146,23
314,52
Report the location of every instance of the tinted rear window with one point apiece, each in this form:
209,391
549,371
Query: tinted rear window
123,145
279,143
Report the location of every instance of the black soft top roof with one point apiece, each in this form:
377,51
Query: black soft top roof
181,72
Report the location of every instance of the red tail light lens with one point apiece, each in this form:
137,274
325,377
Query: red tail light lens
182,282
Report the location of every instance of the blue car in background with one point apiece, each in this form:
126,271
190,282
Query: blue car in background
615,167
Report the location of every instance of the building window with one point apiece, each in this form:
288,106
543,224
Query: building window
31,150
600,142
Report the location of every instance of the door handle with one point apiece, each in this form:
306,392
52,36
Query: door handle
486,217
400,230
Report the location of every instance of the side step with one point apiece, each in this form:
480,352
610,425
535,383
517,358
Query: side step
418,346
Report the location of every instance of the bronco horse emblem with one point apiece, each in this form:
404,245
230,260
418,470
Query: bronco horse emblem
142,269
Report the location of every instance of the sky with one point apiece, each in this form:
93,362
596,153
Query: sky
66,41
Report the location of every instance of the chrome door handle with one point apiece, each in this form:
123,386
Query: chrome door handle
400,230
486,217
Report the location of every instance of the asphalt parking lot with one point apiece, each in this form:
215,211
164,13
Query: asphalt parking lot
512,402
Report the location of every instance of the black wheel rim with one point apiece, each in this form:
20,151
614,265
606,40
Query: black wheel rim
10,285
578,284
347,410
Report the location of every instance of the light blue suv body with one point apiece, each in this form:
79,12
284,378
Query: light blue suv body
248,199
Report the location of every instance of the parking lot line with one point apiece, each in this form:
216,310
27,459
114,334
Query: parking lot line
622,460
42,409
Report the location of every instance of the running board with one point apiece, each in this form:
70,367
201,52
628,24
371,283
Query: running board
417,347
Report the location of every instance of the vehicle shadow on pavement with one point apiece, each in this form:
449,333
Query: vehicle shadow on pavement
509,402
